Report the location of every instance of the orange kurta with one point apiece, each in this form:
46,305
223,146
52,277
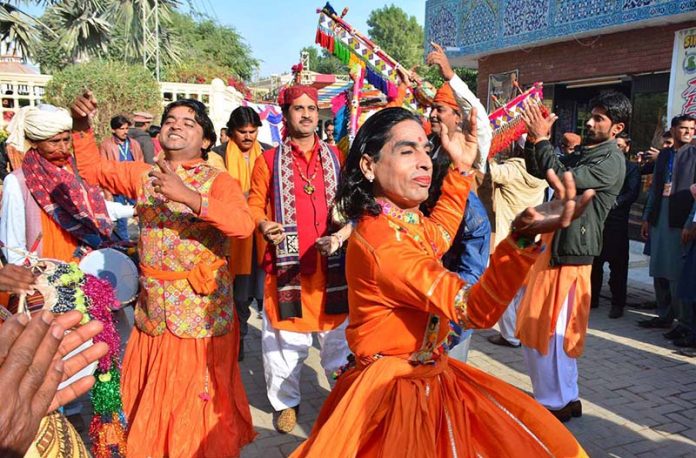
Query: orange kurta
405,395
56,242
181,384
313,286
547,289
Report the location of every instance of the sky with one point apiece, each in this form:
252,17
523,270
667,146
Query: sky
276,30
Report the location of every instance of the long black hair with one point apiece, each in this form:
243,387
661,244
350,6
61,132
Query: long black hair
354,194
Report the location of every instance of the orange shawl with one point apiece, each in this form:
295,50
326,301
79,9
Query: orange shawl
240,168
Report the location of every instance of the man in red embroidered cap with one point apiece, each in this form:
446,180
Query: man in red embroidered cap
291,198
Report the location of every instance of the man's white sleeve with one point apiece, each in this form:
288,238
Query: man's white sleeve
466,100
13,220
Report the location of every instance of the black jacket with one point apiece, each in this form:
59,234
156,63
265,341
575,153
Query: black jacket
601,168
618,216
684,174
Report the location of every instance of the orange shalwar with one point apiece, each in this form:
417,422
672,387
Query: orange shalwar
313,286
547,289
183,396
405,397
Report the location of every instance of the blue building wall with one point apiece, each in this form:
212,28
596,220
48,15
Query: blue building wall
482,26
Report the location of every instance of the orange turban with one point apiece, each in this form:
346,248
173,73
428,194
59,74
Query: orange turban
290,93
445,96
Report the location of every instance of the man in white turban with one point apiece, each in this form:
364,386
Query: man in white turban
46,207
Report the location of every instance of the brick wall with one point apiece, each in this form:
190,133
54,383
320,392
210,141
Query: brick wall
635,51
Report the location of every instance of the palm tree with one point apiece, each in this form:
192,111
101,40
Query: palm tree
85,30
20,29
127,17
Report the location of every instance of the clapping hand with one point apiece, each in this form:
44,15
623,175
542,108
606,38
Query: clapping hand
462,147
537,125
32,366
554,215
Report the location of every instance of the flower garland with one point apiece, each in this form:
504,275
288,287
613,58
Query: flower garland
95,299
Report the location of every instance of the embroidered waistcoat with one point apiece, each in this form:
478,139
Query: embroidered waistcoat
173,238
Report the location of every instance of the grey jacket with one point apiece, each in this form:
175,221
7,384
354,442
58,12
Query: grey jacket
601,168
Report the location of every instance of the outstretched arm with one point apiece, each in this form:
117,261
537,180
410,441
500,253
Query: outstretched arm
122,178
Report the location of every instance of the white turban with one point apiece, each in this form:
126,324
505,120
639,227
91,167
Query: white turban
37,123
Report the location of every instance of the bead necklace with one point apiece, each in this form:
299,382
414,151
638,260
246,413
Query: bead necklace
309,187
392,210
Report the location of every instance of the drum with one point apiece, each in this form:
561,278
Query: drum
116,268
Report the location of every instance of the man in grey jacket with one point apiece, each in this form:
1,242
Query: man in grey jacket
553,316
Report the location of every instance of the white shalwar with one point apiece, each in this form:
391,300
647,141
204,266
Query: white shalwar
555,375
284,353
508,322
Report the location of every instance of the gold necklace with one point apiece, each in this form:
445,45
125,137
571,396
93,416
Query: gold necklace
309,188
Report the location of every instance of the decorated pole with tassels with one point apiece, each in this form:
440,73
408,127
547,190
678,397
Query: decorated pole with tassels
507,122
351,47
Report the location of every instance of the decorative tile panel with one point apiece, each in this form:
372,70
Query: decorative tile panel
478,23
484,26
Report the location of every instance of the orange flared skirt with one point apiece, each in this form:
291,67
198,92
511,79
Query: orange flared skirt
392,409
184,397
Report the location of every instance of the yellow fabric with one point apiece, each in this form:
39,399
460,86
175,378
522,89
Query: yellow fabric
57,437
238,166
241,250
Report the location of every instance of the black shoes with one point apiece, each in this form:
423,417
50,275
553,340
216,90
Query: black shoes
676,333
685,342
572,409
655,323
502,341
616,311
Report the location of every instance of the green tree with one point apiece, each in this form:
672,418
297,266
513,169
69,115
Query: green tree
119,88
84,28
208,44
321,61
20,28
398,34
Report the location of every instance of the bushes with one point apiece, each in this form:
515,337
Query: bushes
119,88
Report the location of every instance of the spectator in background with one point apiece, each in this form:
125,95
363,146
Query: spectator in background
665,216
154,135
139,133
120,148
569,141
223,136
647,159
615,237
513,191
329,128
687,285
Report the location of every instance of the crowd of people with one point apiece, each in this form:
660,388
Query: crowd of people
386,254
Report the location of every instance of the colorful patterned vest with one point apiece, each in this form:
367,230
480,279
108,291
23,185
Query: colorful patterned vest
172,238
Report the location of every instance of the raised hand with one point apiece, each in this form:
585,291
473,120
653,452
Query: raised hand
439,58
31,367
83,110
168,184
554,215
537,125
462,147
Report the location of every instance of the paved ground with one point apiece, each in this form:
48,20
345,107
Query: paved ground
639,396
